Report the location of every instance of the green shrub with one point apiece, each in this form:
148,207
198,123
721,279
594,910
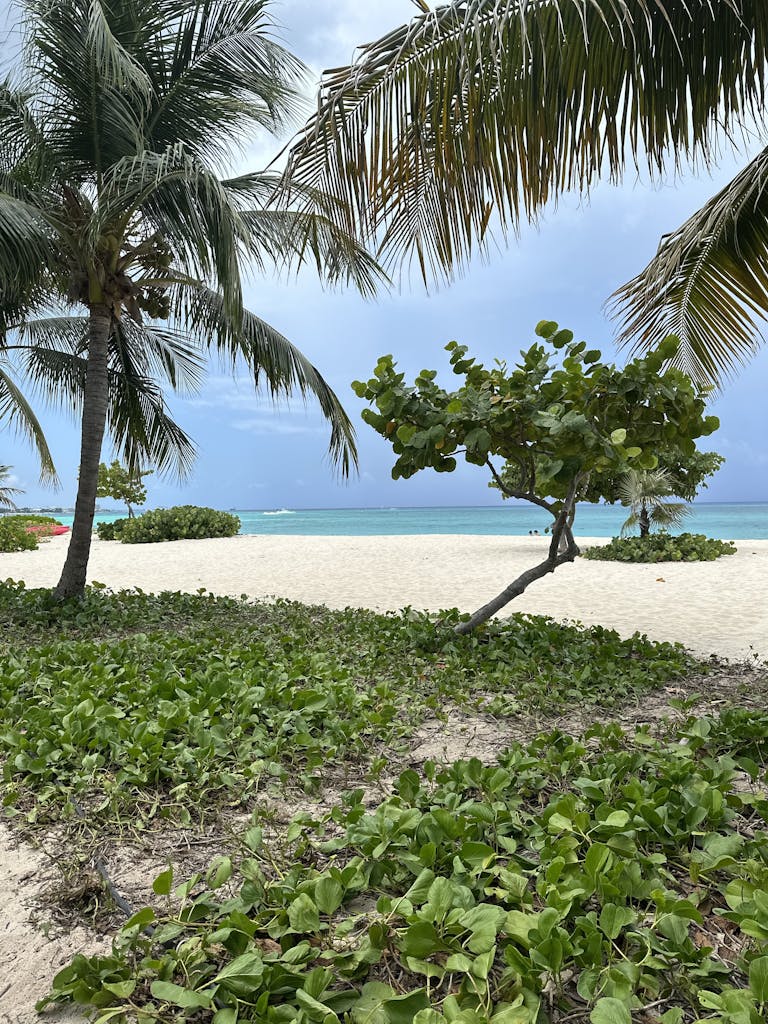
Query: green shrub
180,523
111,531
661,547
32,519
14,535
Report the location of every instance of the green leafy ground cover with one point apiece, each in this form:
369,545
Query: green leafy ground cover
208,699
597,880
662,547
572,879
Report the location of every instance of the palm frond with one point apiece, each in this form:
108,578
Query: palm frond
26,247
271,359
142,429
162,353
218,73
294,239
189,208
138,420
92,93
297,227
708,282
6,490
669,513
16,412
647,485
484,109
645,492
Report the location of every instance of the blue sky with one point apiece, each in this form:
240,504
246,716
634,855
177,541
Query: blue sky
252,456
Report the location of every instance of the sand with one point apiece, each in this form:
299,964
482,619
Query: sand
712,607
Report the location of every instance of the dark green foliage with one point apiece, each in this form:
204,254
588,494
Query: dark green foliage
204,697
31,519
183,522
574,879
559,417
14,535
111,531
122,484
661,547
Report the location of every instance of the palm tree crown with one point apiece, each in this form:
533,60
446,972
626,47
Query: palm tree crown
112,199
483,111
645,493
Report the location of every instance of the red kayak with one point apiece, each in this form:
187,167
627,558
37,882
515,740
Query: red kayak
46,530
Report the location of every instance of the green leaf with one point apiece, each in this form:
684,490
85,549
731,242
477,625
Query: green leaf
429,1016
546,328
178,996
303,914
314,1009
610,1011
369,1009
163,884
758,979
254,838
247,968
614,918
123,989
403,1009
328,895
618,436
421,940
617,819
141,918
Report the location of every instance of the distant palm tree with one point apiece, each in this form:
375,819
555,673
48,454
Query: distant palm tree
487,110
6,490
111,200
645,493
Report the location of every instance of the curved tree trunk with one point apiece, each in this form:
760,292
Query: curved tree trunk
95,401
562,548
516,588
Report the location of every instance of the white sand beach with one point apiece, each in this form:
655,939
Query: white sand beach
716,607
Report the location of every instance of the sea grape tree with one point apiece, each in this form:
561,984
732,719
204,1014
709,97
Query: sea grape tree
560,427
123,484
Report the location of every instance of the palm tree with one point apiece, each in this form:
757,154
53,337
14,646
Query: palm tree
483,111
6,490
645,492
112,200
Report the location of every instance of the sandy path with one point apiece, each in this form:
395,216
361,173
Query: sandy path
712,607
29,959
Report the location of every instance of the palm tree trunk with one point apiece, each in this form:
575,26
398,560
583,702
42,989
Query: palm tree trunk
95,400
645,522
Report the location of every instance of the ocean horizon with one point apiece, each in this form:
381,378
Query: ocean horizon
724,520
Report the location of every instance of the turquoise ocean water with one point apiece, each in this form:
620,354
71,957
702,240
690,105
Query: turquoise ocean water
726,521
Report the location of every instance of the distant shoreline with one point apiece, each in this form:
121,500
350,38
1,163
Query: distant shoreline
724,520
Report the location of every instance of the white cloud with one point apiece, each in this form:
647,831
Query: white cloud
275,425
